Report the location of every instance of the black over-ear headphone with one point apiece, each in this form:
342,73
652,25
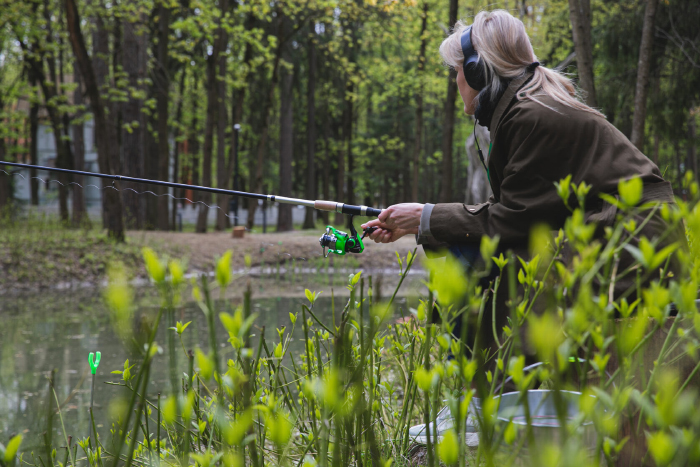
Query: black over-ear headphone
474,70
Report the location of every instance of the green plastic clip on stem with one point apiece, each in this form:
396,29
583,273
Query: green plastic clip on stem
94,363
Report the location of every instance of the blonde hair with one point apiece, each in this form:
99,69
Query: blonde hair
503,47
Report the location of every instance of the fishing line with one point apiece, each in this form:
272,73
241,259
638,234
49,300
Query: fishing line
90,185
332,241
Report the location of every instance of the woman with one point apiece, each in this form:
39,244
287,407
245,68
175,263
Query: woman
541,133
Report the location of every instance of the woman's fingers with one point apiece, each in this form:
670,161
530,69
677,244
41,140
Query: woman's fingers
385,214
372,223
382,235
387,236
374,235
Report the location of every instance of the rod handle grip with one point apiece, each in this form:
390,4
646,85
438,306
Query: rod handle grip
322,205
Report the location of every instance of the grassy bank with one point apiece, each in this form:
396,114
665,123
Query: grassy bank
41,252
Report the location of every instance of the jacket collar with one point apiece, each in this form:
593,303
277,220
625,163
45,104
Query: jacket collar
503,103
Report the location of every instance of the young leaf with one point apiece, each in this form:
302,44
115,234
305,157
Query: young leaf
155,268
170,410
279,351
12,448
206,366
631,191
310,296
223,269
448,448
177,274
564,189
509,433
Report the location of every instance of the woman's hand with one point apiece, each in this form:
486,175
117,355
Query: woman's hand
395,221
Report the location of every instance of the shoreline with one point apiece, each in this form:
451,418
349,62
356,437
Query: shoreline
78,261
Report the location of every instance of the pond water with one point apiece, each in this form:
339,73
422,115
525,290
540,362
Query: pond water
57,331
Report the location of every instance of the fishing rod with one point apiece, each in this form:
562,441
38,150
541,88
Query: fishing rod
335,240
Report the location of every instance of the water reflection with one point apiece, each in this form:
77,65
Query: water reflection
42,333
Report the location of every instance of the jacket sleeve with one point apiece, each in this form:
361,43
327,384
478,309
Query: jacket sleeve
527,192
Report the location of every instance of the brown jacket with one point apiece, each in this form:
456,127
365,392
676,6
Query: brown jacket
533,147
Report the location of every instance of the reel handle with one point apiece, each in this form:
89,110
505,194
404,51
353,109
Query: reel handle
349,209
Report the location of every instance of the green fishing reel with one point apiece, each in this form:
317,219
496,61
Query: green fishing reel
340,242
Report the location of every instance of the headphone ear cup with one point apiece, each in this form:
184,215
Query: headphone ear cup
474,73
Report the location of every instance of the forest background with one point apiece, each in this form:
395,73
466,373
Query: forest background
333,99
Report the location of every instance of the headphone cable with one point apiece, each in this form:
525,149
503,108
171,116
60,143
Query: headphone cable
481,155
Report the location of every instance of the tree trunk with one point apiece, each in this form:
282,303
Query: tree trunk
132,132
113,211
418,142
61,159
212,114
79,209
33,144
580,15
347,135
340,185
5,186
193,137
212,101
449,122
162,81
151,166
309,221
349,118
222,175
257,179
238,100
657,143
326,165
677,158
643,69
284,218
692,163
176,156
51,91
100,52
